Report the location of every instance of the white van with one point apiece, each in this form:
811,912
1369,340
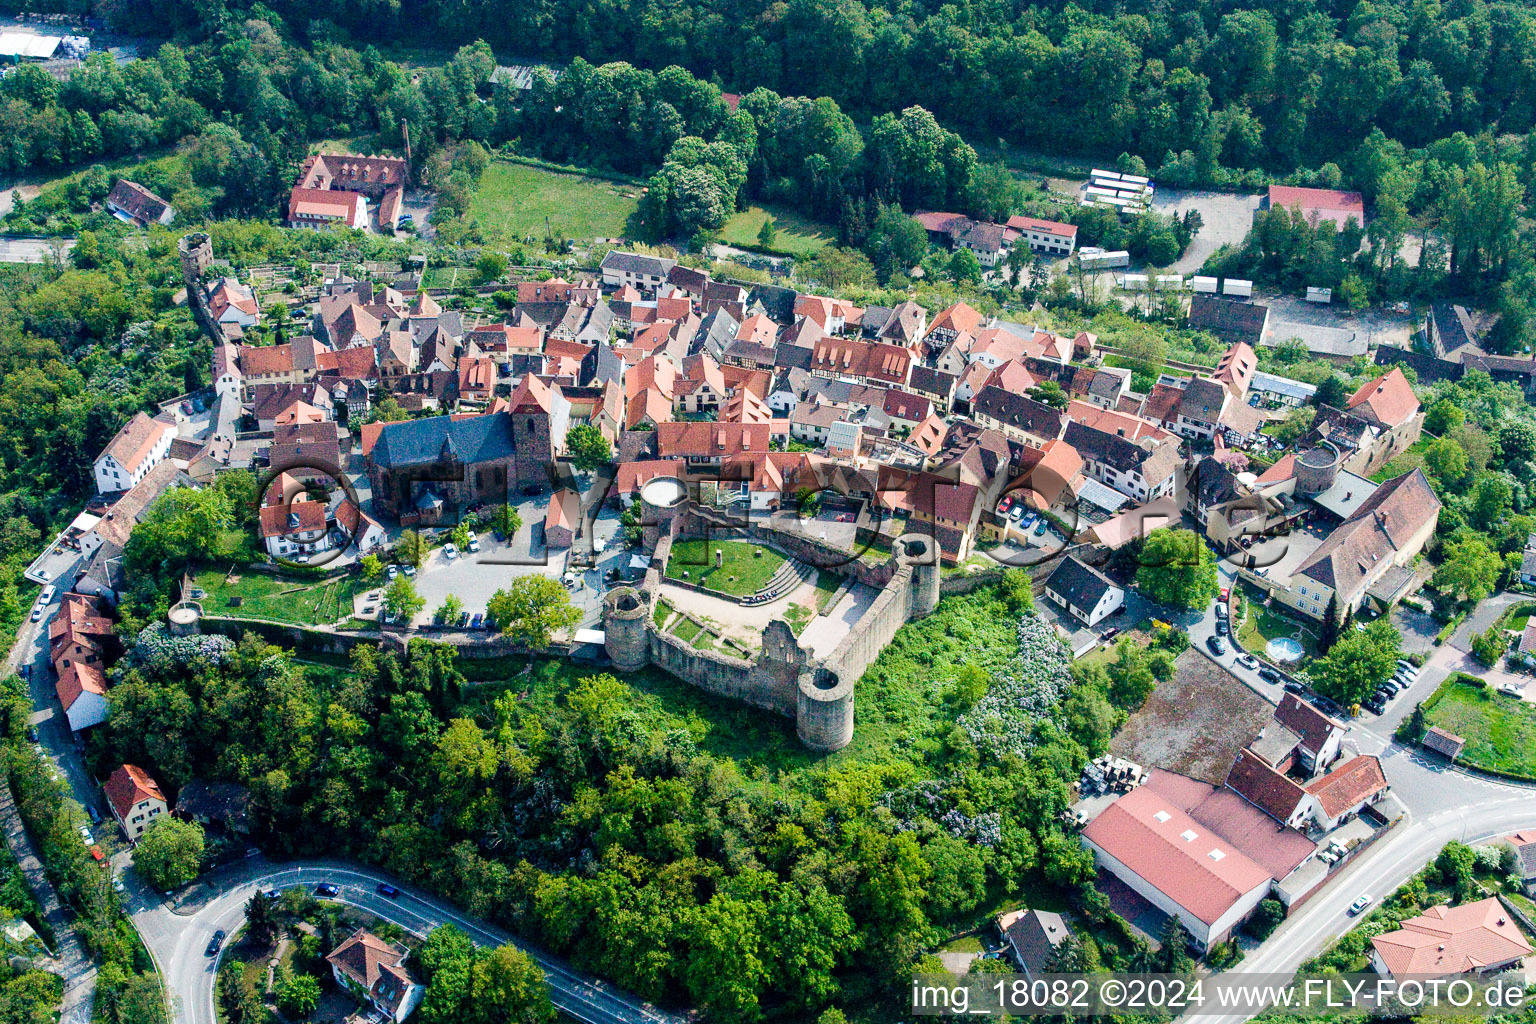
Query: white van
47,596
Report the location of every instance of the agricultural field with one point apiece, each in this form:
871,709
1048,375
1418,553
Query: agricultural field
520,201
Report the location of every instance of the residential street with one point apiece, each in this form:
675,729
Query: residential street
177,941
74,964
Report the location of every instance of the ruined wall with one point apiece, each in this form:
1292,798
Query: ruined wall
717,674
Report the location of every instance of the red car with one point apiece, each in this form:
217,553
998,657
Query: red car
1226,593
1004,505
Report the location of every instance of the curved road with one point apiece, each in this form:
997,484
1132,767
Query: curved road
178,941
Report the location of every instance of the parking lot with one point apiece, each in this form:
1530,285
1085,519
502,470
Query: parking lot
1225,220
473,577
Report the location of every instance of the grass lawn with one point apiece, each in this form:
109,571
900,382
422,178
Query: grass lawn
518,199
1500,731
262,596
1261,625
746,567
450,277
795,235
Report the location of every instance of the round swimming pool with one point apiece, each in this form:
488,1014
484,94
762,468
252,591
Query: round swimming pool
1285,650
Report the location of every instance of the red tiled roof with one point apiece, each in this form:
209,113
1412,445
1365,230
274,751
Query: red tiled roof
634,475
1306,721
1175,854
1348,785
307,516
1264,787
137,438
1389,398
77,678
1053,227
128,786
710,440
1453,940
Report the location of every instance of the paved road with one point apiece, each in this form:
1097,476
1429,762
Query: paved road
178,941
74,965
1443,802
33,250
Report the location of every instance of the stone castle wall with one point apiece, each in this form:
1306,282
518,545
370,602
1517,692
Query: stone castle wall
819,695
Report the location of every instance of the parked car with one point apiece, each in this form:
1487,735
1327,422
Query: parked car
1375,705
37,613
388,891
92,813
474,623
1510,690
1004,505
1270,675
392,572
215,944
1248,661
463,619
1217,645
85,835
410,572
273,894
325,890
1360,904
1407,666
450,552
46,597
1109,634
1222,628
118,886
31,734
474,545
1221,609
1040,528
1226,594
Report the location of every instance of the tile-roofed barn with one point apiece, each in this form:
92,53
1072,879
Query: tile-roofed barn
1155,847
138,204
1231,320
1388,400
1267,788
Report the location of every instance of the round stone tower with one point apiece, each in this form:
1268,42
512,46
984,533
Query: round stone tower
824,710
1316,470
185,619
922,554
626,625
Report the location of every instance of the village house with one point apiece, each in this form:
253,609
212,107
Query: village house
133,451
80,643
233,304
1084,591
1479,938
635,270
135,799
375,971
134,204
